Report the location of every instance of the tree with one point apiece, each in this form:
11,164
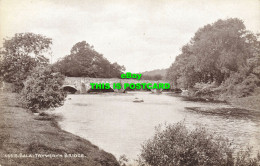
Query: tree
116,70
215,52
43,89
21,54
84,61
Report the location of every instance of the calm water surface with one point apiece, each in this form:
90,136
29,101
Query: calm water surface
118,125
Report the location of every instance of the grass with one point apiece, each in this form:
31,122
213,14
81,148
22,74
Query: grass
23,132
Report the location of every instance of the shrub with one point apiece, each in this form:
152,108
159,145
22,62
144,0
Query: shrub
248,85
178,146
42,89
240,85
123,160
15,71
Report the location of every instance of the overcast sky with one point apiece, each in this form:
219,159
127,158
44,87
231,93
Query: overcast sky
142,35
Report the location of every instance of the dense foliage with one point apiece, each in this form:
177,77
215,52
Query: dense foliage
84,61
20,55
42,89
178,146
224,53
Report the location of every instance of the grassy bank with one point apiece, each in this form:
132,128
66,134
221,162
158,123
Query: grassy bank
227,112
249,102
26,133
212,93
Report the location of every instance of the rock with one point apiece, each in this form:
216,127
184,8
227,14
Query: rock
138,100
177,90
185,93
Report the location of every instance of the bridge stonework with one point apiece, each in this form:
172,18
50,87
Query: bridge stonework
77,82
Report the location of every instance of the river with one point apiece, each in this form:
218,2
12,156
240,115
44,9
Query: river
118,125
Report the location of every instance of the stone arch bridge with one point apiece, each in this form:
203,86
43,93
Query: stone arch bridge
77,83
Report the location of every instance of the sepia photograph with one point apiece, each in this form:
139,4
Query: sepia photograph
129,83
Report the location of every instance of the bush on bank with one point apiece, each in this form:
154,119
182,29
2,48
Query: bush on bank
178,146
239,85
42,89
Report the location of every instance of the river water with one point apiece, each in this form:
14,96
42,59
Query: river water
118,125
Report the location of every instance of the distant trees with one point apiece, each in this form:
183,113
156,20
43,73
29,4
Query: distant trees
215,53
152,77
20,55
84,61
158,74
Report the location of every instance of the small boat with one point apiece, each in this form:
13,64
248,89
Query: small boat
156,91
136,100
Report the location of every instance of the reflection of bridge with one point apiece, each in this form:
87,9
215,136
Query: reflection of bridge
82,84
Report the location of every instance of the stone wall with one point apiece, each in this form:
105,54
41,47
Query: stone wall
77,82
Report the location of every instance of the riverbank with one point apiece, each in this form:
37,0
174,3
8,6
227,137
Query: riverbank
237,113
249,102
25,133
208,94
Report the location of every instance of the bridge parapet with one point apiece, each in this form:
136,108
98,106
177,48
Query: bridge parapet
78,82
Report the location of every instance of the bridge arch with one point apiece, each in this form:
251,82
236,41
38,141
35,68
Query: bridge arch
69,89
156,90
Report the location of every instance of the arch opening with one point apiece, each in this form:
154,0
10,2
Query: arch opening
70,89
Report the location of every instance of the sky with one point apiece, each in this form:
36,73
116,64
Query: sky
141,35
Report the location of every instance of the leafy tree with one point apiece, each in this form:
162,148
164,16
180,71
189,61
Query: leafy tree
84,61
20,55
216,52
43,89
116,70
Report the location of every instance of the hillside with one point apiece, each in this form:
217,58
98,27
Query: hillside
154,73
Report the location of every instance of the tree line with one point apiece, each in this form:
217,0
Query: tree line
24,62
85,61
223,53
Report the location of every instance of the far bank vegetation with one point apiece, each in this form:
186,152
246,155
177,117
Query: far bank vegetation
221,61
